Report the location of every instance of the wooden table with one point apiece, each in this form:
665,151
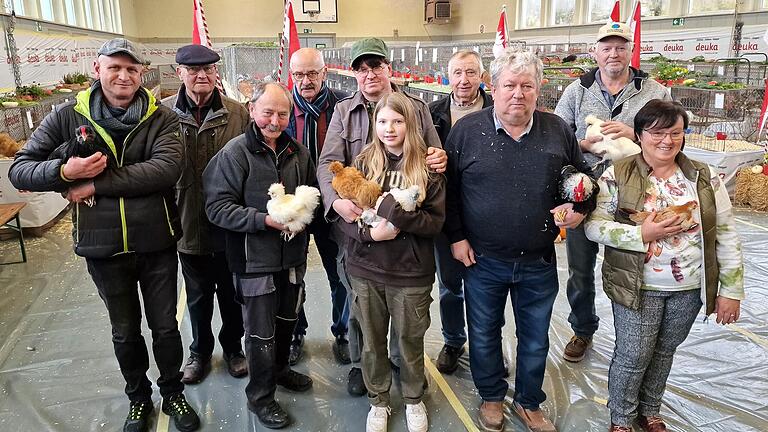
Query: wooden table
9,212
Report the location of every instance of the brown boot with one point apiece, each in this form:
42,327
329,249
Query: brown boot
651,424
617,428
534,419
577,348
492,416
237,366
195,369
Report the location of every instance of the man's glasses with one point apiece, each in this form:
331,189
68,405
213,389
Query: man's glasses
194,70
298,76
658,136
364,71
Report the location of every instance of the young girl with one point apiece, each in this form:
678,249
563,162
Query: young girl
391,270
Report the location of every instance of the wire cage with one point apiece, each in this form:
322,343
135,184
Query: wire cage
733,112
243,65
552,90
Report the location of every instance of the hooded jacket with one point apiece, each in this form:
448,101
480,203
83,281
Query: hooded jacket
135,209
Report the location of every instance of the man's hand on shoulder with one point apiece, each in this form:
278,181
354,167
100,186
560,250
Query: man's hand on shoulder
437,159
84,168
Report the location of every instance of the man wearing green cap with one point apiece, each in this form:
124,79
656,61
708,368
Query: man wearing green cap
349,131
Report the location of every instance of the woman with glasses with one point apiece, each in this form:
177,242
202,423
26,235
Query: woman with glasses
658,273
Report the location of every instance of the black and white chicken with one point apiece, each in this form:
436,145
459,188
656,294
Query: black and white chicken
576,188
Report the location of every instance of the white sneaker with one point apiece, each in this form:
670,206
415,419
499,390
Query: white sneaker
377,419
416,417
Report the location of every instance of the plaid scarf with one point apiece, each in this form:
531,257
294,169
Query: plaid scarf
312,111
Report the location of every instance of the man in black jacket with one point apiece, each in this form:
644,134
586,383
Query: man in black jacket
129,235
464,71
313,109
268,270
207,121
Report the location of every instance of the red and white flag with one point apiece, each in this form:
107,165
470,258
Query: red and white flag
291,36
200,34
616,12
634,23
762,121
501,34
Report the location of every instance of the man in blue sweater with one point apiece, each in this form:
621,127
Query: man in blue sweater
504,165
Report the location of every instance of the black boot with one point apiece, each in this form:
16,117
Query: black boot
138,417
184,417
271,415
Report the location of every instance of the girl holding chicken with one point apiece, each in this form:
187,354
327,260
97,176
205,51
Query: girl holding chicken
392,266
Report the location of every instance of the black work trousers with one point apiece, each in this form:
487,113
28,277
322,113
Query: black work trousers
270,307
207,276
116,279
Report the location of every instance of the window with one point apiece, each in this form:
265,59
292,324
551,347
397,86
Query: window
118,24
765,4
600,10
100,15
563,12
530,14
88,14
704,6
16,6
46,10
655,8
69,7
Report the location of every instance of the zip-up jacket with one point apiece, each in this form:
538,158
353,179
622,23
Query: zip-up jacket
584,97
226,120
235,183
135,209
408,260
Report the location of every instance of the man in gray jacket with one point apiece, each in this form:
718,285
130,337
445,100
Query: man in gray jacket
613,92
128,230
207,121
349,131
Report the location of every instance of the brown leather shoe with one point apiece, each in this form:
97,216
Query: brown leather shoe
491,416
617,428
195,370
651,424
577,348
237,366
534,419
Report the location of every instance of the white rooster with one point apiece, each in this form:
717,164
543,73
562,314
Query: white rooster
294,211
408,199
611,148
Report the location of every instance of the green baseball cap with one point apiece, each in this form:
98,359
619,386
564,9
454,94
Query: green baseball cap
370,46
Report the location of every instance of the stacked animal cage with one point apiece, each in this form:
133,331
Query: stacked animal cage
717,112
244,64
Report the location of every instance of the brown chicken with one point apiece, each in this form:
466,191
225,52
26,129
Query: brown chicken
8,145
685,211
350,184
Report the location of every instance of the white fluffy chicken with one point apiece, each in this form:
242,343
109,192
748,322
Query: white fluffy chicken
408,199
296,210
611,148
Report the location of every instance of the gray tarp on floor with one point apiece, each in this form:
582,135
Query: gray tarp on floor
58,372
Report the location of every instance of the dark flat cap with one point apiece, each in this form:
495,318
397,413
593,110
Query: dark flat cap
122,46
195,55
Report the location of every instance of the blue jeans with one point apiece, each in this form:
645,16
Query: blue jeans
328,250
450,280
582,256
532,287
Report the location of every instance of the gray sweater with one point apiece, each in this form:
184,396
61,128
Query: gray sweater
584,97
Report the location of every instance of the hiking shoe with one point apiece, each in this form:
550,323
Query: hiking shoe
138,417
448,359
184,417
534,419
297,350
195,369
577,348
237,366
377,420
416,417
355,383
271,415
341,350
651,424
294,381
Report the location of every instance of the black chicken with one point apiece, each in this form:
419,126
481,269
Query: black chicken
84,144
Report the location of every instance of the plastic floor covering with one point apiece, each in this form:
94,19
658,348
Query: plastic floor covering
58,371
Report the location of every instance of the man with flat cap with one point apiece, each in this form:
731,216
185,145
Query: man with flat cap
207,121
127,232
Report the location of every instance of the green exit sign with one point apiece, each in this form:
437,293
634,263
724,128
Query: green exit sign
678,21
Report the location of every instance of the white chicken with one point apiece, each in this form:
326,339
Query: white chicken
408,199
296,210
611,148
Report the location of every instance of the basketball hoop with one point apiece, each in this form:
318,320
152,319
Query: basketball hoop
314,16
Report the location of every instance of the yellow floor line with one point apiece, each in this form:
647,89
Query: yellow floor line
443,385
751,224
163,421
749,335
